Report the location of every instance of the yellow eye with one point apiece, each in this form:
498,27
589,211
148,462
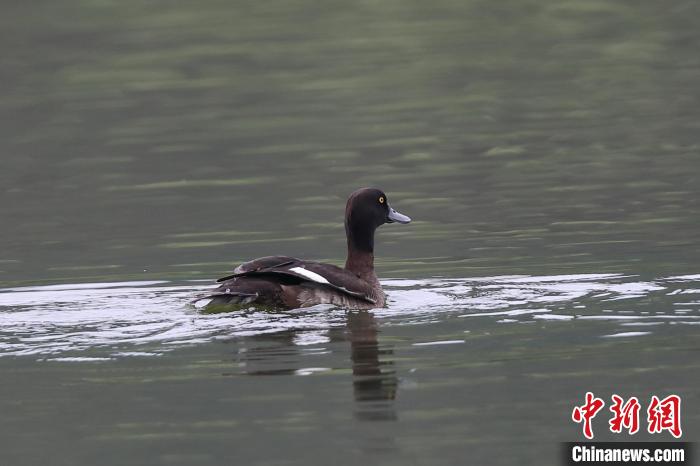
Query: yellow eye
381,200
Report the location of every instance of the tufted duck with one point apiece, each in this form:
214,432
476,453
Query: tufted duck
283,282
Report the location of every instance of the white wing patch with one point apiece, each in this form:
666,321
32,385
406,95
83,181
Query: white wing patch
313,276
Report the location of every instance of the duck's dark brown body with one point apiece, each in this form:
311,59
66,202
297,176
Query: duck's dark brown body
287,282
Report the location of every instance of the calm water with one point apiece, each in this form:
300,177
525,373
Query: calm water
547,151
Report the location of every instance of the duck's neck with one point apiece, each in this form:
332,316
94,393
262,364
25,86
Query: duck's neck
360,263
360,260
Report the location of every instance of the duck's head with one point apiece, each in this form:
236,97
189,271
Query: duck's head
366,210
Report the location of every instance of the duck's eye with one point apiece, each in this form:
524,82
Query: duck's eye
381,200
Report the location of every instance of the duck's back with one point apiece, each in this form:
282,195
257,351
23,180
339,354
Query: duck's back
288,282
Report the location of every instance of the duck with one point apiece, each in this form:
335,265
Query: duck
284,282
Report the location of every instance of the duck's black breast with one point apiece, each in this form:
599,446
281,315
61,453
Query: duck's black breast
290,282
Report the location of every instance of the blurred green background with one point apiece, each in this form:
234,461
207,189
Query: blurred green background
170,140
180,138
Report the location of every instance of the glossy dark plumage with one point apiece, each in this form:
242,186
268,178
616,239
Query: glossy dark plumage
287,282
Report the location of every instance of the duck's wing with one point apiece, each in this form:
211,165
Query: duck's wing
261,263
303,271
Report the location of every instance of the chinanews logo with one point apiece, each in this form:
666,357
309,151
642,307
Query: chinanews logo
662,415
628,417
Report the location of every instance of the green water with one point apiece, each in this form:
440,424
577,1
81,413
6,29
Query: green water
157,144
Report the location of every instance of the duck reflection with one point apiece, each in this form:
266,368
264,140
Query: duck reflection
268,354
288,352
374,378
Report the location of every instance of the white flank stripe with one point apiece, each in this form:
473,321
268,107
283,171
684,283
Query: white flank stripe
439,342
626,334
313,276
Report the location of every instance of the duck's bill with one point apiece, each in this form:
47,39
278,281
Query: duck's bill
397,217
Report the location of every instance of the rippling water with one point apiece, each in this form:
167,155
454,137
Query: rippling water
492,363
111,320
546,150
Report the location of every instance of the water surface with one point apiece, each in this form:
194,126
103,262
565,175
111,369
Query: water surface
546,150
452,368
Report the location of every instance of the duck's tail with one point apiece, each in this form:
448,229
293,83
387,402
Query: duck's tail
242,292
224,301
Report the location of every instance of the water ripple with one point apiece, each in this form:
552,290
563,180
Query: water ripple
141,319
